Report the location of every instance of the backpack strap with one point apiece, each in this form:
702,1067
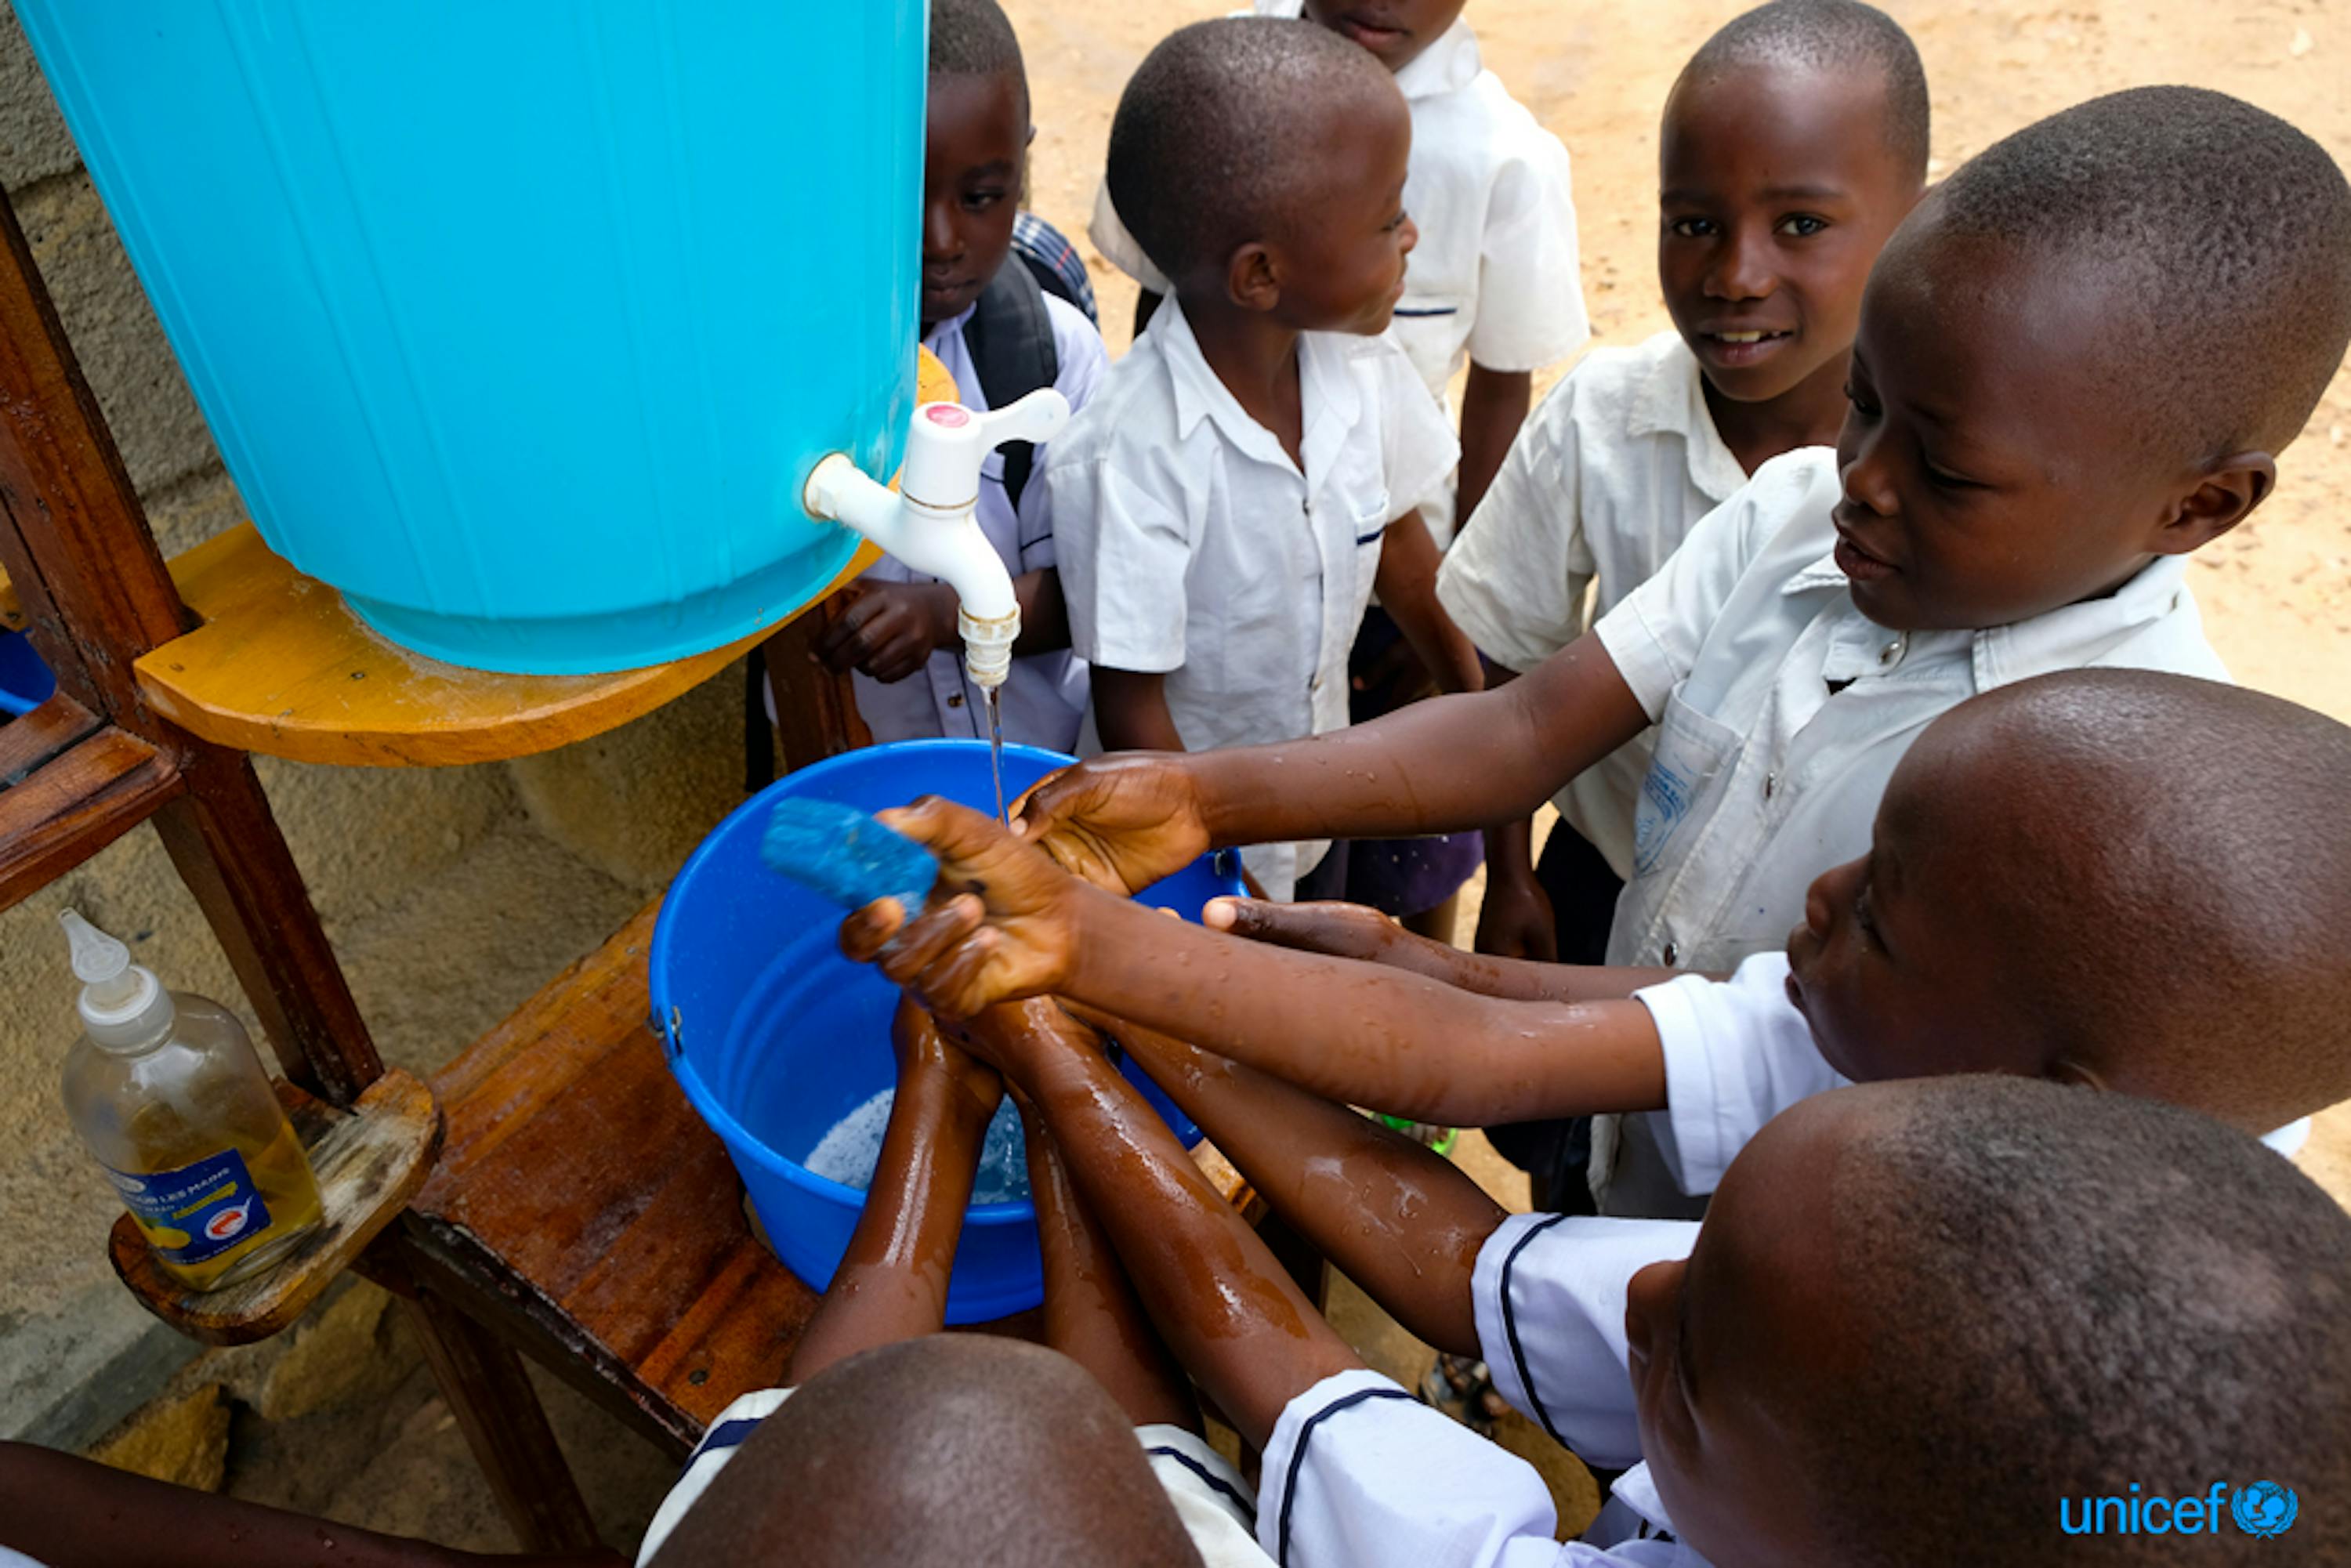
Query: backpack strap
1010,340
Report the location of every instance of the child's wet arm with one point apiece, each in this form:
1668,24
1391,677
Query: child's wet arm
1448,765
1400,1221
891,1283
1231,1315
1388,1039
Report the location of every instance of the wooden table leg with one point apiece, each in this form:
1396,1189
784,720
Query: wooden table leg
491,1394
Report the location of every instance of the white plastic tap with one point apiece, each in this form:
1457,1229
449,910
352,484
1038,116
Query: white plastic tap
929,522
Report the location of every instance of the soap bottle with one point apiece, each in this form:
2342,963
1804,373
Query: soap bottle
165,1092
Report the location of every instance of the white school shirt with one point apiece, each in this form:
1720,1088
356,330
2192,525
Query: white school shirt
1360,1474
1763,779
1606,478
1044,698
1217,1506
1191,545
1496,276
1737,1054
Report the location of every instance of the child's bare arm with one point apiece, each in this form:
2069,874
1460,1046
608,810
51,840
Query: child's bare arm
1091,1313
1130,712
1494,404
1224,1306
891,1283
1371,1035
1404,1223
1354,931
1407,584
70,1512
1442,765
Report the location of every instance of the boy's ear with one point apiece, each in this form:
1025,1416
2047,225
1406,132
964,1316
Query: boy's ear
2223,496
1252,278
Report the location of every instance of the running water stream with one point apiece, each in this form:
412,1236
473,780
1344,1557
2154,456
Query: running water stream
992,697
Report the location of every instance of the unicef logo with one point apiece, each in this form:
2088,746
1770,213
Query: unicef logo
2265,1509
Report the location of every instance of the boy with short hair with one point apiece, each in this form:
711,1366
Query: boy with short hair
1252,469
2024,465
1830,1376
1793,142
1001,336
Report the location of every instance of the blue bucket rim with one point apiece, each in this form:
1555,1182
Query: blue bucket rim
669,1027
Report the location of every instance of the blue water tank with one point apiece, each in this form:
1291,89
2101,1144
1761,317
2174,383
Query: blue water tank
522,323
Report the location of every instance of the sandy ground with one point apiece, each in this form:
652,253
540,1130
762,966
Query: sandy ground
2276,594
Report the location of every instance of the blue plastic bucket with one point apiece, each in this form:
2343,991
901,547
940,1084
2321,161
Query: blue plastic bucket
776,1037
25,681
523,323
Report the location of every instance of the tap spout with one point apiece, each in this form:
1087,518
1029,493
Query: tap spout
945,543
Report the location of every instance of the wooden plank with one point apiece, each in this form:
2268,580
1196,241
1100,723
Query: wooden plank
75,805
281,666
815,710
45,733
224,837
368,1161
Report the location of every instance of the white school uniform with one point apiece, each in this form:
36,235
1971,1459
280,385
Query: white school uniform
1606,478
1737,1054
1495,277
1360,1473
1191,545
1217,1506
1780,711
1044,698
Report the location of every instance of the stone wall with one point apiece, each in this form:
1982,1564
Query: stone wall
451,894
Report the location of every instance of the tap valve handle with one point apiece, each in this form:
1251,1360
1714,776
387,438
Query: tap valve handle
949,441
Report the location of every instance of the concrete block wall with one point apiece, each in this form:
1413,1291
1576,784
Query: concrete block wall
451,894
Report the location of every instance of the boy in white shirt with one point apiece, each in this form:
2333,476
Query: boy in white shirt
1250,472
2024,467
898,630
1829,1376
1793,142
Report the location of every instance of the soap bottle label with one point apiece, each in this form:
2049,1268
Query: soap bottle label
197,1211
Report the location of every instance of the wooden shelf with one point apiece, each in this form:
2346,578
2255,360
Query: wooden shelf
281,666
369,1161
70,787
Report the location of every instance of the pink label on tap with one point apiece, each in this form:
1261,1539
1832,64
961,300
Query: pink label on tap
947,413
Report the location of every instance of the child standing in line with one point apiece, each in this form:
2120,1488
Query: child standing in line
1793,142
1001,336
1494,287
1253,469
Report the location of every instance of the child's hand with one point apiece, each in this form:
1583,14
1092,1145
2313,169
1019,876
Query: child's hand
1515,920
1013,934
921,1046
889,629
1338,930
1121,822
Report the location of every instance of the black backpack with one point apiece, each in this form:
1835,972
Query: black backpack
1010,340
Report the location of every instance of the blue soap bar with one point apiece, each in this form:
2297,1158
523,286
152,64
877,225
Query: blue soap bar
846,856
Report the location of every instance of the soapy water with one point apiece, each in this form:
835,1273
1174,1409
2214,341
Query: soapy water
848,1152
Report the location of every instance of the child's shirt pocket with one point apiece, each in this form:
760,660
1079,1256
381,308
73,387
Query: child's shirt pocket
1695,755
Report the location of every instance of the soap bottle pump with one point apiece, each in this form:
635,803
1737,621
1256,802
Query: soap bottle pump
165,1092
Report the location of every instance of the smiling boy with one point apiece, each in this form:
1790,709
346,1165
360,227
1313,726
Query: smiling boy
1793,142
1252,470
